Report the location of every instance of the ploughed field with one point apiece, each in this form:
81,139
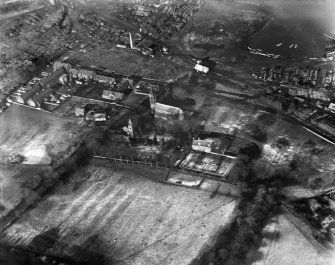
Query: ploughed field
124,217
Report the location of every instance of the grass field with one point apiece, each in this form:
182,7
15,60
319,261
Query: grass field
126,216
29,132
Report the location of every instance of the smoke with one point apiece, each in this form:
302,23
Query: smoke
320,12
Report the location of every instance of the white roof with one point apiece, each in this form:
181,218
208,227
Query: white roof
207,142
167,108
201,68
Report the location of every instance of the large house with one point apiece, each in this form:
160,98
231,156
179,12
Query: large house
202,145
165,111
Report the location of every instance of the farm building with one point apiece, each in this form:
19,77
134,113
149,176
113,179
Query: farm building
165,111
202,145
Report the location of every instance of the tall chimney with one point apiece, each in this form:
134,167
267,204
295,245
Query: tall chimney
131,41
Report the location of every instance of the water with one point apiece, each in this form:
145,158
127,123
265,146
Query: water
296,22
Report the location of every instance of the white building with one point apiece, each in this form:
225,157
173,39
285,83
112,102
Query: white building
201,68
202,145
332,107
99,117
165,111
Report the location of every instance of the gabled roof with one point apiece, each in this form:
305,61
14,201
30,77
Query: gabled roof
53,78
125,84
113,95
43,94
86,73
101,78
105,78
167,108
74,71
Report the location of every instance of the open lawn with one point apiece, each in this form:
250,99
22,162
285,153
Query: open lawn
125,216
35,134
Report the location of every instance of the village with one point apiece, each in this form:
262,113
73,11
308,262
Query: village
146,132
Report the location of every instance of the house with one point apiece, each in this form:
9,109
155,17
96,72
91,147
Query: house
104,79
58,64
85,74
63,79
40,97
332,107
125,84
73,73
165,111
25,98
112,95
201,68
320,94
202,145
54,78
142,13
99,116
79,111
292,91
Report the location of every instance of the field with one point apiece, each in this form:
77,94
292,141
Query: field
126,216
35,134
290,248
114,59
21,185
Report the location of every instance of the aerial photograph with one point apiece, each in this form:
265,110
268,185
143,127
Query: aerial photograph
167,132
